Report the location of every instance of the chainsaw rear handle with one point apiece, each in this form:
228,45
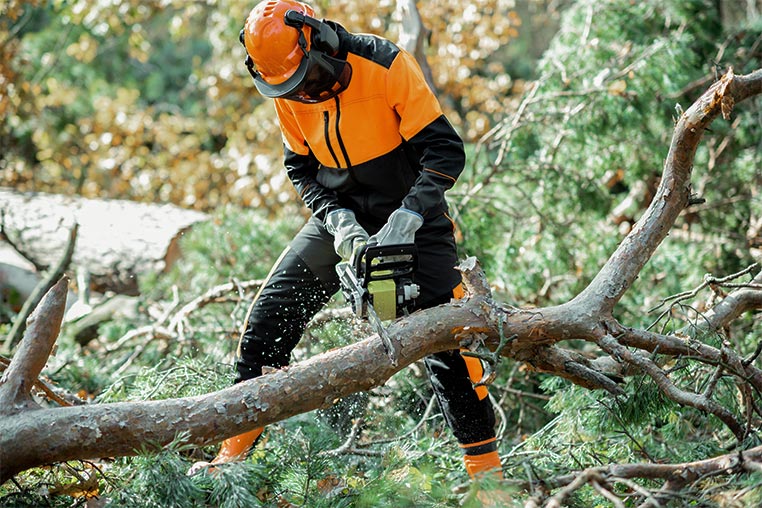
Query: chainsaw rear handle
382,262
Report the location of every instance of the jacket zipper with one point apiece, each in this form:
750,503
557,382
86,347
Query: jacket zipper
327,134
338,134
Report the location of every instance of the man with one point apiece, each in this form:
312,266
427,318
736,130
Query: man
371,154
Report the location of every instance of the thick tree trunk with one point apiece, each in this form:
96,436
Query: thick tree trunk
118,240
414,36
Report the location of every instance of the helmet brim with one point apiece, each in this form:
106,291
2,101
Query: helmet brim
288,87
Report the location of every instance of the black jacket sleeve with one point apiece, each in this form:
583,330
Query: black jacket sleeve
302,171
442,160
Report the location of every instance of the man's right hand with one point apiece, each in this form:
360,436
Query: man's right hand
348,235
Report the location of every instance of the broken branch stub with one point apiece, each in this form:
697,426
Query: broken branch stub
42,330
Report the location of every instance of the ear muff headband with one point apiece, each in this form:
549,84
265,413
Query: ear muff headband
324,37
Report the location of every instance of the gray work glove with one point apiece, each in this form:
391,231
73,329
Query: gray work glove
347,233
400,227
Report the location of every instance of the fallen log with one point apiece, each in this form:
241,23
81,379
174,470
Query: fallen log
117,240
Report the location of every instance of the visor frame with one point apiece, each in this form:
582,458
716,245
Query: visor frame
340,70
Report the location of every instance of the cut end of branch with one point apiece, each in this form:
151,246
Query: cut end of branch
50,311
722,96
41,334
474,280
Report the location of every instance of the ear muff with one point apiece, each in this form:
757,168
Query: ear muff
248,62
324,38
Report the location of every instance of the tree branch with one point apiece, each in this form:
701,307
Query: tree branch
682,397
673,194
676,475
735,304
123,428
41,334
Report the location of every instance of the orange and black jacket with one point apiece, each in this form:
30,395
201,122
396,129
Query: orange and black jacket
380,144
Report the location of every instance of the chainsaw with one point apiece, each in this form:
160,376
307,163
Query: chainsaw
379,286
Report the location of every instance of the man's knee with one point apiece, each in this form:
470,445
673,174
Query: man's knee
276,320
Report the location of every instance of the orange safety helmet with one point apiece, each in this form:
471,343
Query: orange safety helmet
291,55
272,45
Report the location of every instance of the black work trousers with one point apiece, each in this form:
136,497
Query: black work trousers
303,280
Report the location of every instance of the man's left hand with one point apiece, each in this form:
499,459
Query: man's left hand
399,228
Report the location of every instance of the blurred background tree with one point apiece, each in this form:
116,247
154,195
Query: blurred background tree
150,101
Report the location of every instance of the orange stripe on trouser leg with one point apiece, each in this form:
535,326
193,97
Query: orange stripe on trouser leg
474,365
478,464
236,447
458,292
475,373
468,446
